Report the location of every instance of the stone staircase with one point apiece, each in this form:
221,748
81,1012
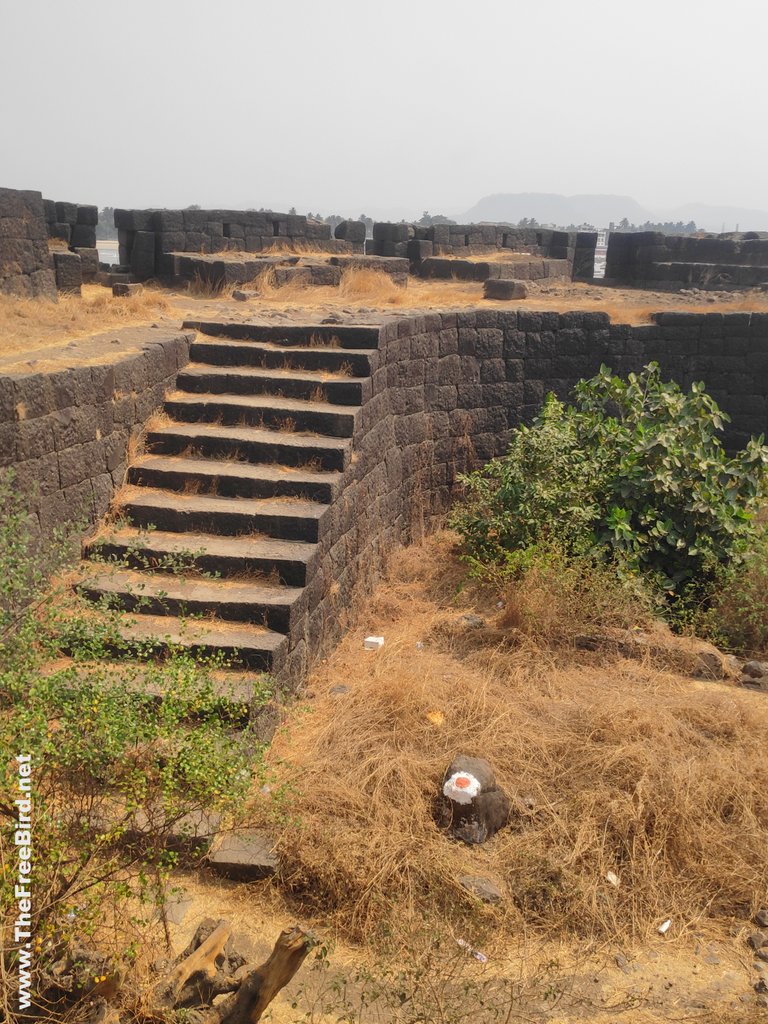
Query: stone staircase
236,481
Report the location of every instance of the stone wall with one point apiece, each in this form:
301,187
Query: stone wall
446,391
75,225
26,266
65,431
649,259
149,238
419,243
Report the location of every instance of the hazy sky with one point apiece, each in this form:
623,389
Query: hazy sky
387,107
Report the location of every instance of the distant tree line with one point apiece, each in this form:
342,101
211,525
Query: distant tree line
106,230
668,227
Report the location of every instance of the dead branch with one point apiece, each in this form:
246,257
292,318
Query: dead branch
201,960
260,987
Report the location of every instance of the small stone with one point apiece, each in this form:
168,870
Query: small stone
757,940
472,621
758,684
483,888
711,958
242,295
762,954
337,691
761,985
176,909
122,290
246,855
761,919
621,961
504,289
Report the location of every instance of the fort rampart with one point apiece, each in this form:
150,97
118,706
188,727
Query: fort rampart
66,430
445,391
649,259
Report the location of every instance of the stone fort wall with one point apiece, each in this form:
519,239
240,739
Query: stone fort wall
66,431
26,265
446,391
420,244
649,259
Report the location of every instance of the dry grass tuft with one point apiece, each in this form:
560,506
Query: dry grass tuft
27,324
373,286
655,777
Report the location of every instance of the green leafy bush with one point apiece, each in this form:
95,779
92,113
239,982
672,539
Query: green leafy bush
632,472
127,755
734,611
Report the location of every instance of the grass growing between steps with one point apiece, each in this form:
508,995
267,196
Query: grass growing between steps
615,765
126,751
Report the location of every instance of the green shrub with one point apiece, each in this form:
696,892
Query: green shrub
559,600
633,472
125,753
734,612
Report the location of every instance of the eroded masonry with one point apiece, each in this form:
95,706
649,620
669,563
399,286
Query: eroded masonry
292,458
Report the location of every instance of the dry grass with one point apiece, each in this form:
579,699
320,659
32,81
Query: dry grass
160,420
372,286
378,294
655,777
27,324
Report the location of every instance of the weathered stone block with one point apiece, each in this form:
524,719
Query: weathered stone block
89,263
504,289
66,213
122,290
246,855
69,271
143,254
351,230
88,215
134,220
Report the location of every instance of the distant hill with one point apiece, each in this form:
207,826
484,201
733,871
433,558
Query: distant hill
550,208
600,210
720,218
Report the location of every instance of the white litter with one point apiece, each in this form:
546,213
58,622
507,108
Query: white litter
665,926
483,959
613,879
373,643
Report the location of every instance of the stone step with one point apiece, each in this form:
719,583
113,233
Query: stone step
228,352
244,445
243,644
303,335
286,414
253,380
287,561
156,594
283,518
233,479
234,689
